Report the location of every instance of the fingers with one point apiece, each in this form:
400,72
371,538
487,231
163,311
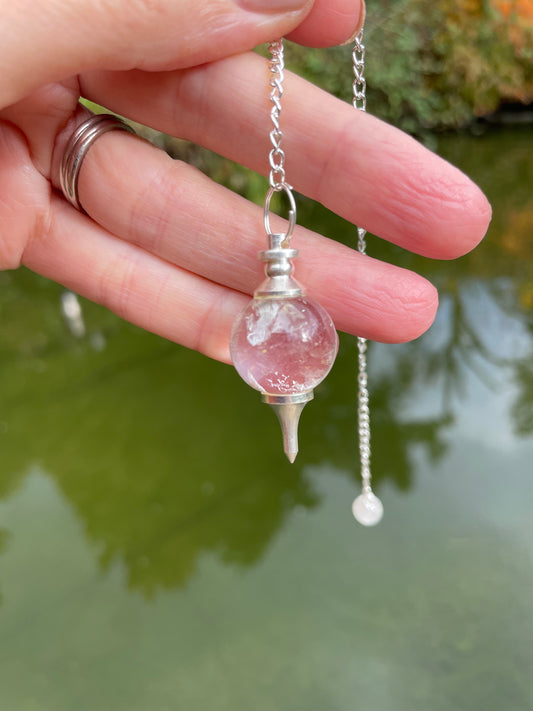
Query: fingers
49,41
176,215
327,23
24,196
359,167
137,286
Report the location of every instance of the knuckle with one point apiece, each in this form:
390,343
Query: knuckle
24,199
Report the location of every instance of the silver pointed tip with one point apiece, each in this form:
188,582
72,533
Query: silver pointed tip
288,409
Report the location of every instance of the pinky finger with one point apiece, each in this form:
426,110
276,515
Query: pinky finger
134,284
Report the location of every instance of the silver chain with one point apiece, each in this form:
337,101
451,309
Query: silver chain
276,156
359,82
363,410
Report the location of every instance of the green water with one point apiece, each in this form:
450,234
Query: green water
158,554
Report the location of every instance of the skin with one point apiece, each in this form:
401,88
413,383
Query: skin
162,245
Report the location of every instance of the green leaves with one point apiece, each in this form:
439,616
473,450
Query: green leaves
433,65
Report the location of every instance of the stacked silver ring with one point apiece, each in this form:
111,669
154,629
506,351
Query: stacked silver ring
77,147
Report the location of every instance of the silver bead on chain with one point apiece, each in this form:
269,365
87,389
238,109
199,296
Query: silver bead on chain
367,508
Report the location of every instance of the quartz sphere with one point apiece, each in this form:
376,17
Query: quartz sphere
283,345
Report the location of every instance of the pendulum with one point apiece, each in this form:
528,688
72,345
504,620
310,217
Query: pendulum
367,508
283,343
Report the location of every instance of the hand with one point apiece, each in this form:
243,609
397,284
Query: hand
162,245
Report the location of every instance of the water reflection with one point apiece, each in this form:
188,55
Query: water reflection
522,411
140,443
165,456
72,313
4,536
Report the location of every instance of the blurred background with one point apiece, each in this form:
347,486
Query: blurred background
156,549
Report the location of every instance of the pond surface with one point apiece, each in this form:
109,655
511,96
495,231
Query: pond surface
157,552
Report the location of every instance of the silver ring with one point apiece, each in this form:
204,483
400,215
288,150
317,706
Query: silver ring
287,189
77,148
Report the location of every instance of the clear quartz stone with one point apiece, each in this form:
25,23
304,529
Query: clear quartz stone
283,345
367,509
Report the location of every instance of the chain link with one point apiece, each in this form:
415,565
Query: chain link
363,409
359,82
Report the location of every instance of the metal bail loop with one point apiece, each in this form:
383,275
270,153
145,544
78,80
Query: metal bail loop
286,188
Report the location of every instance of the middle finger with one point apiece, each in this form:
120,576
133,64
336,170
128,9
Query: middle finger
359,167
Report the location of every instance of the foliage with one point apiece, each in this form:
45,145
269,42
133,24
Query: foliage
435,65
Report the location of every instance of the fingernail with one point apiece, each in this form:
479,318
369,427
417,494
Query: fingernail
272,5
360,23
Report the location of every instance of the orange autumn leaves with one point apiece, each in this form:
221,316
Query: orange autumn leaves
521,9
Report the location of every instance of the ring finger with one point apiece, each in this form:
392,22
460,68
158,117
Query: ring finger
170,210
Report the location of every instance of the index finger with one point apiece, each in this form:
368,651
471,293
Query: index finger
47,41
